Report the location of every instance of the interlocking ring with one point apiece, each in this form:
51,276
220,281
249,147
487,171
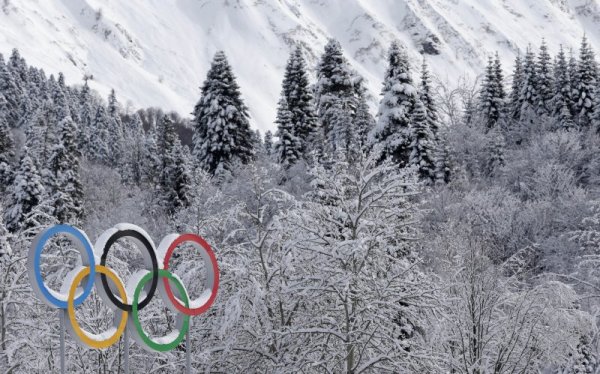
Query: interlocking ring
141,285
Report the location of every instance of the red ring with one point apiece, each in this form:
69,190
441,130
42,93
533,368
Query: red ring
199,240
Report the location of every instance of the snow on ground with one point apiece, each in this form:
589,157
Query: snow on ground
156,53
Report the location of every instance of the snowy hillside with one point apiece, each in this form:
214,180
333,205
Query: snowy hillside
156,53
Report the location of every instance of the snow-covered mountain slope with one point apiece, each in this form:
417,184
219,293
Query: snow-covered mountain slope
157,52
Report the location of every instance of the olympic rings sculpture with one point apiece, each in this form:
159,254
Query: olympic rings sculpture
134,296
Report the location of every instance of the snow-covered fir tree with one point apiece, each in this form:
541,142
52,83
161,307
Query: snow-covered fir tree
99,148
584,85
337,89
392,132
298,95
363,124
222,133
6,147
491,101
529,87
561,102
288,147
133,150
268,143
87,114
515,92
5,249
423,151
544,81
11,93
66,188
26,192
115,130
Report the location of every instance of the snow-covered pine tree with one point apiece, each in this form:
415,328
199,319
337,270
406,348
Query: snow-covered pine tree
5,249
297,92
422,154
222,133
99,137
18,67
545,81
289,146
268,143
364,123
66,187
11,93
572,68
166,137
182,177
515,92
133,150
7,151
490,96
499,74
152,161
584,85
426,95
337,88
529,87
392,132
26,192
115,130
443,167
87,115
561,102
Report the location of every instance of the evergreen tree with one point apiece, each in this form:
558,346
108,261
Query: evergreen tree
115,130
87,116
528,94
99,137
338,88
499,75
422,154
364,123
10,91
444,170
289,146
561,102
544,81
426,96
182,178
297,93
572,75
166,136
67,190
584,85
268,143
152,161
18,68
222,133
5,250
392,131
515,92
490,96
26,192
6,148
133,150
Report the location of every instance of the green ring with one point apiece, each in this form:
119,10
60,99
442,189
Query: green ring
138,326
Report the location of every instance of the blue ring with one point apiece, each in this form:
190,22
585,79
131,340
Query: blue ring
38,274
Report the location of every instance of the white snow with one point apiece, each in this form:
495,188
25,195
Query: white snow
157,53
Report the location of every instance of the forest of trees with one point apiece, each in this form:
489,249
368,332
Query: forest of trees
457,230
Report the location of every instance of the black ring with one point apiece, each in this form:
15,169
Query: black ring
134,234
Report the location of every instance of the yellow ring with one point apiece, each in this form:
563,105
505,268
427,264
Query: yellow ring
98,344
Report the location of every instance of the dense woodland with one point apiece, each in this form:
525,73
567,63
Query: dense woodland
455,231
